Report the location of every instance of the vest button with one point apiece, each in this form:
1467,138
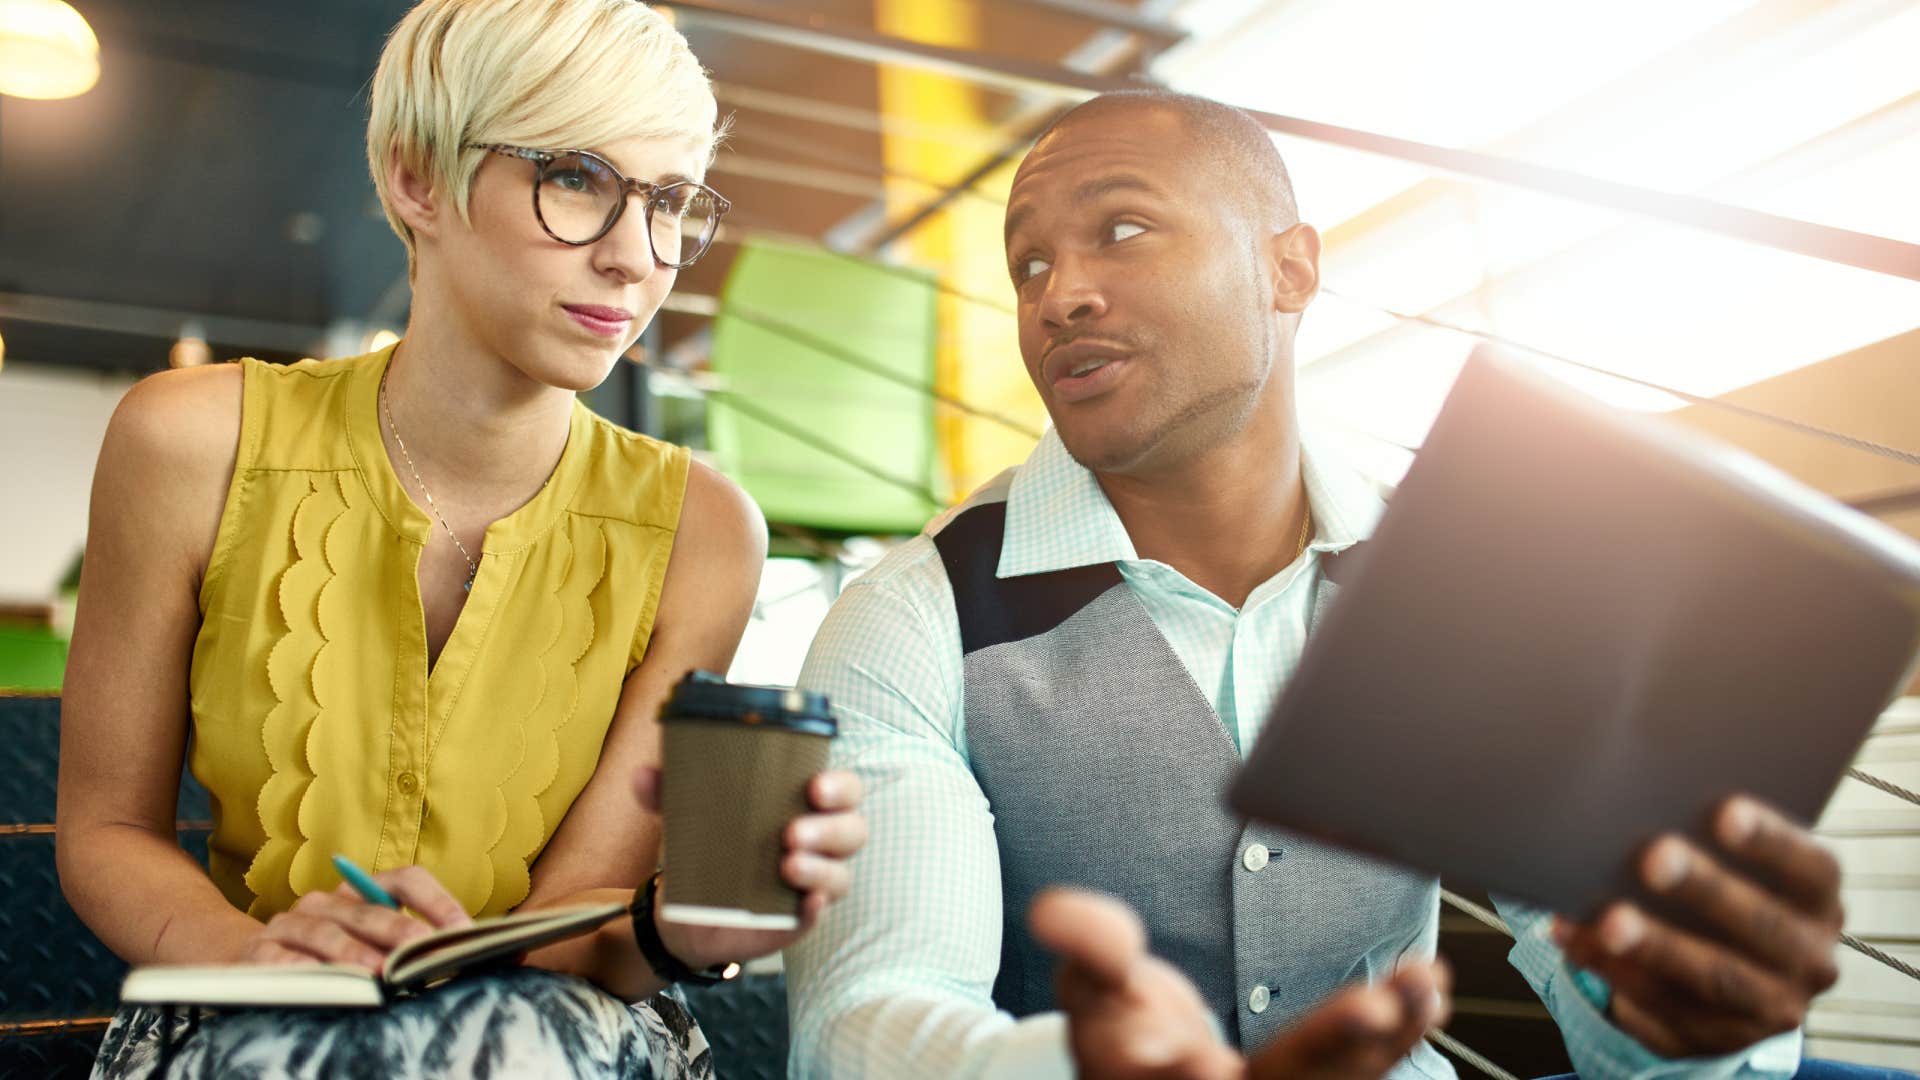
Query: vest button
1259,999
407,783
1255,858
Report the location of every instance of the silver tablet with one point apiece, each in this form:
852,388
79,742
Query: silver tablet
1575,628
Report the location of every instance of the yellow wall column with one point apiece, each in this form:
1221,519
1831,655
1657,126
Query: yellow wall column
978,360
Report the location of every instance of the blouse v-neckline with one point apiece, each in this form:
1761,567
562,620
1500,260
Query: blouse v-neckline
505,538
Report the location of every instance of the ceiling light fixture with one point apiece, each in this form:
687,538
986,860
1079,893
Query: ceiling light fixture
47,50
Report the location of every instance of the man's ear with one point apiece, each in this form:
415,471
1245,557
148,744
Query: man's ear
413,197
1295,260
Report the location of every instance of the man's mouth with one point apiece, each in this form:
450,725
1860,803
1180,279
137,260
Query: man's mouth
1084,369
1078,359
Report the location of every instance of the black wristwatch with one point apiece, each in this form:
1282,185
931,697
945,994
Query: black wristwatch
664,963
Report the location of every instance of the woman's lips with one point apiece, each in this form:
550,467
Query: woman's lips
605,321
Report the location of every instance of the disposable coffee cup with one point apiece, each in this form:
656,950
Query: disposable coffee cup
737,762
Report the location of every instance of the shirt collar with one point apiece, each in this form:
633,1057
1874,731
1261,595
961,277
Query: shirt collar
1058,518
1346,504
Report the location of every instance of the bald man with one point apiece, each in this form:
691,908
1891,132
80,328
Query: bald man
1053,684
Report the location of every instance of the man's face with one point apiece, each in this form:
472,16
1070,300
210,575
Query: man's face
1144,318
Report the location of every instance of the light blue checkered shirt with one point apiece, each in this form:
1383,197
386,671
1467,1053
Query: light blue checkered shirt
896,981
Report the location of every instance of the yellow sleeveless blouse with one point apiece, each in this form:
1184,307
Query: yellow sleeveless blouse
317,725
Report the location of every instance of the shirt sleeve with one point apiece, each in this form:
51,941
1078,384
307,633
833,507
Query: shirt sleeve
896,979
1600,1051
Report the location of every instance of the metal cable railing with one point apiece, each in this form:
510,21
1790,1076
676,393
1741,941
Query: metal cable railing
821,345
1489,918
1868,446
1871,952
1468,907
1835,245
1460,903
1890,788
1864,445
799,434
1481,914
830,349
1469,1055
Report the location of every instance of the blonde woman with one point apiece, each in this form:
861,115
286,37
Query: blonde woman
421,607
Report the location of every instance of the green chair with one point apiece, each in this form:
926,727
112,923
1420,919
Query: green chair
824,410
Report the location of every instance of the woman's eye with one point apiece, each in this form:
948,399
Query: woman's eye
1124,230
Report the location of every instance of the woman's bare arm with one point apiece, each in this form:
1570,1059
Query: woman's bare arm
157,497
607,845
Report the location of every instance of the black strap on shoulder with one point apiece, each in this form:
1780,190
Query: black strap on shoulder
995,610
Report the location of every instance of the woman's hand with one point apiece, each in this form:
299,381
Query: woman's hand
340,927
818,846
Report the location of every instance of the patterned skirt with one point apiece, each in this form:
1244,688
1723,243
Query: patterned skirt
524,1023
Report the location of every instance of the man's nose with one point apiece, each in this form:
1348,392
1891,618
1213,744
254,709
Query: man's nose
1072,295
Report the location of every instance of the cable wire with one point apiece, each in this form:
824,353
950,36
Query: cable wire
799,434
1890,788
1469,907
1469,1055
853,359
1867,446
1893,962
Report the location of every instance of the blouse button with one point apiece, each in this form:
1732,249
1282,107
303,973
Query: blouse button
407,783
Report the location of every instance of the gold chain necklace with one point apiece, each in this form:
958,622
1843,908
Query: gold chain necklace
473,568
1306,530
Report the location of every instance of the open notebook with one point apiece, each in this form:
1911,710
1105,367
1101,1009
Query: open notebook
411,967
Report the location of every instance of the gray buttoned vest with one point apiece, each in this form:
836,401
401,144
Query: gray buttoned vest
1105,767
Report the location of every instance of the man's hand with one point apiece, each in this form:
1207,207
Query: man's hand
1769,901
1132,1016
1363,1031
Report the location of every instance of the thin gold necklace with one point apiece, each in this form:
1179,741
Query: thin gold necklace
473,568
1306,529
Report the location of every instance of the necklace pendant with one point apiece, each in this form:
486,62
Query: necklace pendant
467,585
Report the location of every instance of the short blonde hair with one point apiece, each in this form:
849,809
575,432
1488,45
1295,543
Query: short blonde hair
548,74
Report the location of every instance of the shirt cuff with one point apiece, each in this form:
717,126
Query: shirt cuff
1601,1051
1034,1048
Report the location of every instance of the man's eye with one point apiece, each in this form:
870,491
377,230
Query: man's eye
1124,230
1028,269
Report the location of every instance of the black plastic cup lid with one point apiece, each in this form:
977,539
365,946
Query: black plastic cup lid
703,695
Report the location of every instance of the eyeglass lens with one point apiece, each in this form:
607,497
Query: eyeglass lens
579,195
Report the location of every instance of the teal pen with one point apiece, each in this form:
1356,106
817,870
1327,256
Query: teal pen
363,883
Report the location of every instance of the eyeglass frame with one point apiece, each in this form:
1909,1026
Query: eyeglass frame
628,186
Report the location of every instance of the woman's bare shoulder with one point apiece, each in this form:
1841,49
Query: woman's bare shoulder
723,516
188,418
169,454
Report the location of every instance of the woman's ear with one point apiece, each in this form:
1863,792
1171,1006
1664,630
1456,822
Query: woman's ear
1296,267
413,198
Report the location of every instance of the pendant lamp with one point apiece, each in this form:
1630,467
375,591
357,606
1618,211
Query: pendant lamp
47,50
